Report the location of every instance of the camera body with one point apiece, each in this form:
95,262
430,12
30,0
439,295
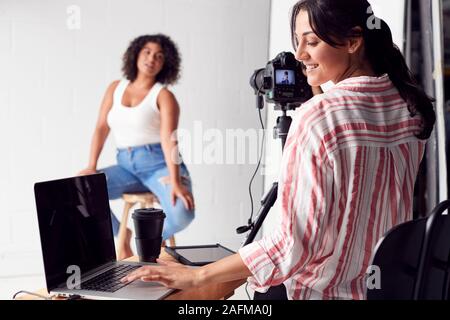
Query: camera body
282,81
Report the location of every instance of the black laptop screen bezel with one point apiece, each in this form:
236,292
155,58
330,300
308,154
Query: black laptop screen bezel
84,236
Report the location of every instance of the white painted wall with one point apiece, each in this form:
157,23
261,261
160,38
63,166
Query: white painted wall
53,79
391,11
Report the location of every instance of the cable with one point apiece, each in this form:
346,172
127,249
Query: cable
257,167
246,291
33,294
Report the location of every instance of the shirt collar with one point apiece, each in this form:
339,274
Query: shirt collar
366,83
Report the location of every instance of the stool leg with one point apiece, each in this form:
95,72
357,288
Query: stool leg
172,241
122,244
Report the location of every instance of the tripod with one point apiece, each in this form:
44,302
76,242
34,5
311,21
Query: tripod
280,131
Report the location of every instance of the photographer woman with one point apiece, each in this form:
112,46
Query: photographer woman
143,115
349,164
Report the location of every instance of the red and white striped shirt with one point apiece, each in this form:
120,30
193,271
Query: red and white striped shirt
348,173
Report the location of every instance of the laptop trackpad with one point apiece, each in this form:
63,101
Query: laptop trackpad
142,290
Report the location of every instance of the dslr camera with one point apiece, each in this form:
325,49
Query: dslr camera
282,81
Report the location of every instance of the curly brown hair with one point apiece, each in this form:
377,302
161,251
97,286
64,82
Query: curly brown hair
170,72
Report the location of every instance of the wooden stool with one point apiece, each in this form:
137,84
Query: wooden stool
145,200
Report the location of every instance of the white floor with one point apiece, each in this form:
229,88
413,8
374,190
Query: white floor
9,286
20,270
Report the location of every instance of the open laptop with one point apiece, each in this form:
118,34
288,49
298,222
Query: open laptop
78,244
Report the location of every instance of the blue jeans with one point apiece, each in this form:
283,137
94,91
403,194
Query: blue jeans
143,169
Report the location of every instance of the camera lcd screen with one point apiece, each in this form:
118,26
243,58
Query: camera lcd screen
285,77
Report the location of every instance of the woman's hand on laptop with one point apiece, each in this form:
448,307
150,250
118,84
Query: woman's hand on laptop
177,276
170,274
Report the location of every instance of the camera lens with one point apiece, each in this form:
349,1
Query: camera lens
257,81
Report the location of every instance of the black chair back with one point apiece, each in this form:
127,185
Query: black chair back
397,255
414,259
435,275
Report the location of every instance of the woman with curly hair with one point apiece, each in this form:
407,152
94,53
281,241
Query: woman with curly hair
143,115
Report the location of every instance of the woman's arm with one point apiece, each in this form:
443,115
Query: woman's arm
227,269
170,112
101,130
178,276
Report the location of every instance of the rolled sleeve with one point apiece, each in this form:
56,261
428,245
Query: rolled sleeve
260,265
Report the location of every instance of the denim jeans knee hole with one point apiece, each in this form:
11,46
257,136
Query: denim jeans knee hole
166,180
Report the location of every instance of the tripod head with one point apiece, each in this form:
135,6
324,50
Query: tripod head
281,130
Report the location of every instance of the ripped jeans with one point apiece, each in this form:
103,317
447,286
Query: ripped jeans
143,169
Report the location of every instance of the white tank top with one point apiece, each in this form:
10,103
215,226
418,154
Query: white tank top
135,126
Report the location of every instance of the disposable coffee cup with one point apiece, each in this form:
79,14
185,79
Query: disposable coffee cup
148,226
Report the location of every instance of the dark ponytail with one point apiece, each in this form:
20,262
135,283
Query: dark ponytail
334,21
385,57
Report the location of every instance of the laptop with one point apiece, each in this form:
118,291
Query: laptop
78,244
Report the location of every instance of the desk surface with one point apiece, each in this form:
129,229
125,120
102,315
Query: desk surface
208,292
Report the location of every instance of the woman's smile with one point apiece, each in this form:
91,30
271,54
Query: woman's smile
311,67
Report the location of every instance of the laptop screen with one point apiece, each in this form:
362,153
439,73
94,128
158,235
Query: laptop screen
75,226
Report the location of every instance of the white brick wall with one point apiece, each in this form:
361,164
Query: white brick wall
53,80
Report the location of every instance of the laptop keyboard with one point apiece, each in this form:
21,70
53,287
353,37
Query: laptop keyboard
109,281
